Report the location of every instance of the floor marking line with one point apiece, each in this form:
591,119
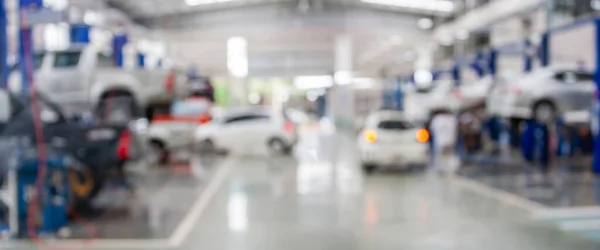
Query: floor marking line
580,225
89,244
188,223
501,195
568,213
176,239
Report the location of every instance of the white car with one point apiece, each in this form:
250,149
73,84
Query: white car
248,129
389,139
420,102
470,94
543,94
175,131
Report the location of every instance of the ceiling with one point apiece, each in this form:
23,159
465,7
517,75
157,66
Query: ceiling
285,37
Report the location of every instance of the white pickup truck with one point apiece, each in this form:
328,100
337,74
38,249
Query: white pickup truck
84,79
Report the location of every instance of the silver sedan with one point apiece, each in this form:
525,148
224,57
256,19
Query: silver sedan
543,94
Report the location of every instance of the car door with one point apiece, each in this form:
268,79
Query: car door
65,83
241,130
574,90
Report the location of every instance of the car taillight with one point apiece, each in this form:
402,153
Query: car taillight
288,127
514,90
204,119
123,145
370,136
422,135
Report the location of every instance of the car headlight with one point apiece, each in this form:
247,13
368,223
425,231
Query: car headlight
370,136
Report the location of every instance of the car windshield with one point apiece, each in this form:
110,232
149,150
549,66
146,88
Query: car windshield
67,59
105,60
394,125
187,108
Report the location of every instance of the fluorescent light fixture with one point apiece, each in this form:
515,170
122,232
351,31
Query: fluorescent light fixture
343,77
313,82
431,5
363,83
204,2
237,56
423,77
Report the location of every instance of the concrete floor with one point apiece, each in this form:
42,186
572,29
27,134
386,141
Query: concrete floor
322,201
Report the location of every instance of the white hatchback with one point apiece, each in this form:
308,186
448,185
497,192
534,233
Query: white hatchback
389,139
247,129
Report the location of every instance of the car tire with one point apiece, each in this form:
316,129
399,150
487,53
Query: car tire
278,146
85,185
369,169
120,109
162,153
544,112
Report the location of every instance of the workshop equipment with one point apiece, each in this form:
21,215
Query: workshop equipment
50,197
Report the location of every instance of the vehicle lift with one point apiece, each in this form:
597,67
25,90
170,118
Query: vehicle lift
32,201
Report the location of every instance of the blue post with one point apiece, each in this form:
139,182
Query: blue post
528,56
26,44
3,47
118,43
80,33
398,95
477,66
543,51
596,157
456,74
492,62
141,60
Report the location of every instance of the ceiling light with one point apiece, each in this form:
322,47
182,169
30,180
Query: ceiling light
425,23
431,5
237,56
342,77
423,76
202,2
313,82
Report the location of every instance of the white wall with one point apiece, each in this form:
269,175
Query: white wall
571,46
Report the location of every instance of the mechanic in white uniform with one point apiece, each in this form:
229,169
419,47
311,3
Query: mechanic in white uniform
444,129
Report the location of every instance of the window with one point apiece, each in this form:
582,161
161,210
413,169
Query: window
574,77
246,118
186,108
394,125
105,60
38,59
66,59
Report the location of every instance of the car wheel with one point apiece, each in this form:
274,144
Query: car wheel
544,112
278,146
160,151
117,109
85,184
369,168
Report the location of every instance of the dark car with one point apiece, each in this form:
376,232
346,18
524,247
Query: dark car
98,149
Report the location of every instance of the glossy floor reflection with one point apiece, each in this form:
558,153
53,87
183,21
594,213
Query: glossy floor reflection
322,201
